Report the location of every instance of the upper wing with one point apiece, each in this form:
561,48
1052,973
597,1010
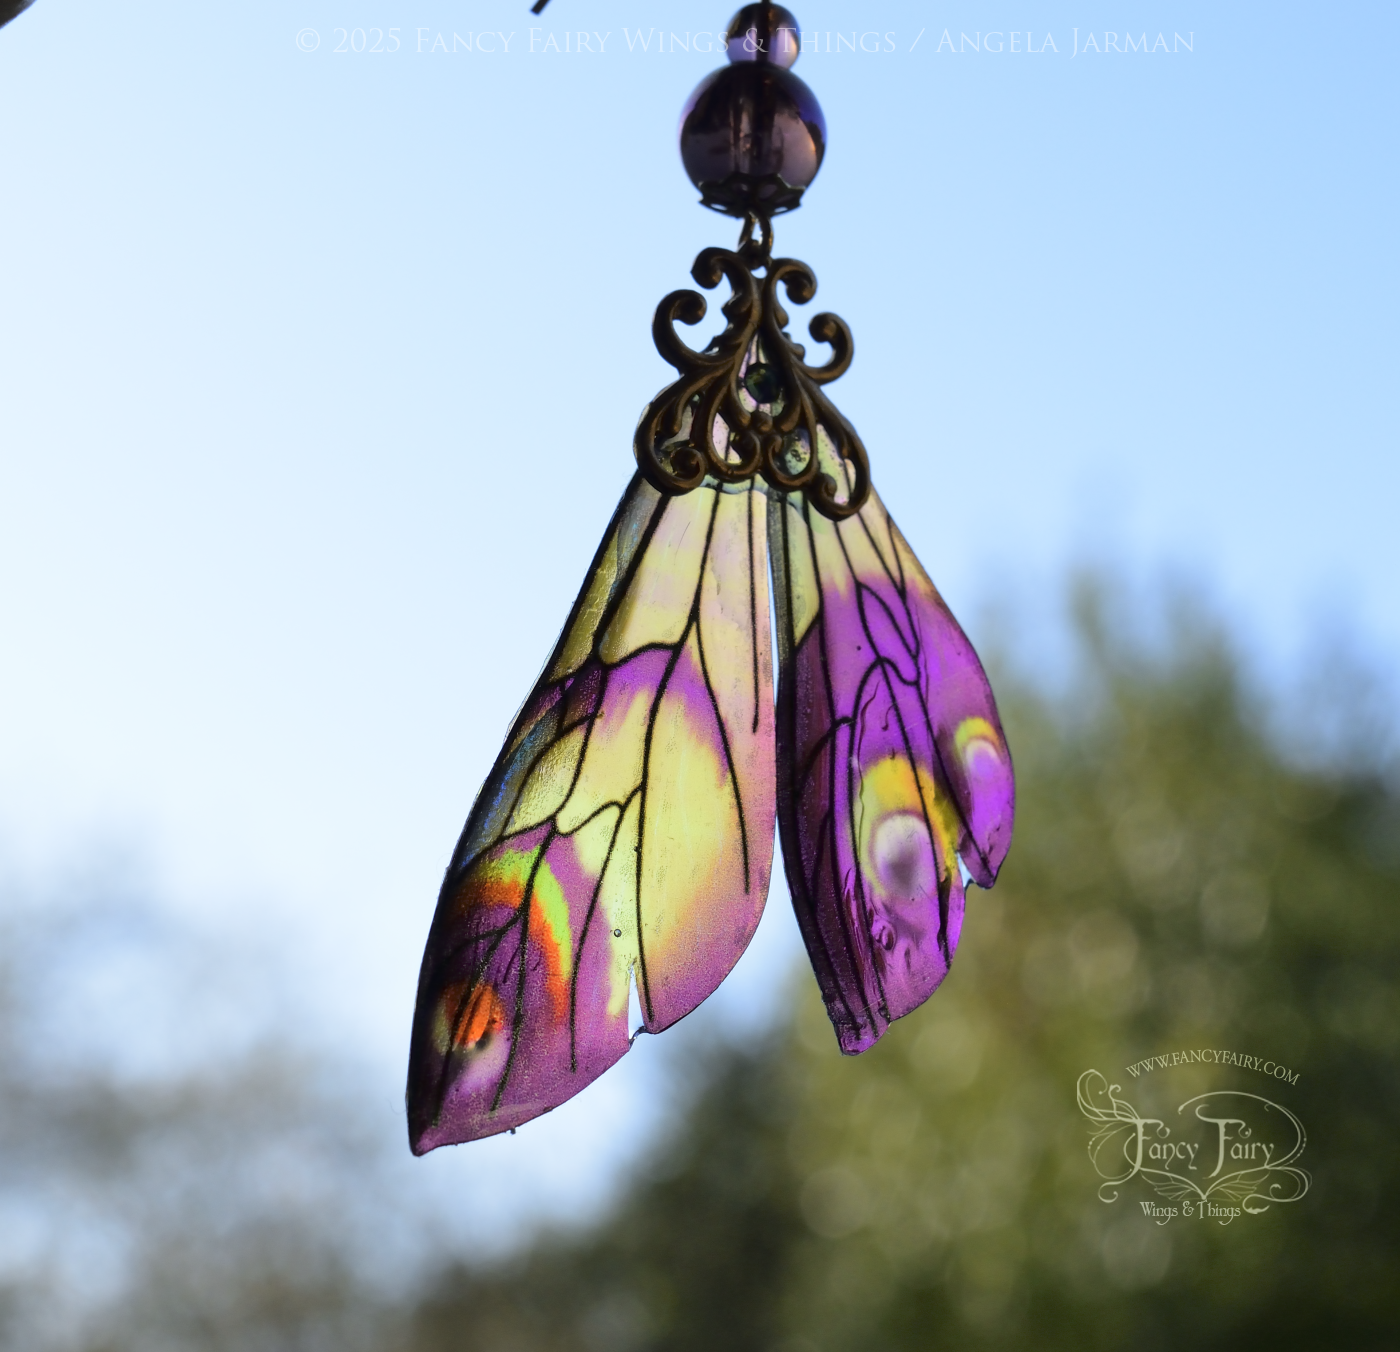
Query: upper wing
892,766
626,829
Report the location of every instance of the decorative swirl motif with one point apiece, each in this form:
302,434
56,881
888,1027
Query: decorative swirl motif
1121,1139
749,404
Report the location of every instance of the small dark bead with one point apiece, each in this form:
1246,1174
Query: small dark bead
765,33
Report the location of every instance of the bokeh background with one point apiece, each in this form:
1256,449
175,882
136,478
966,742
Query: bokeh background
318,371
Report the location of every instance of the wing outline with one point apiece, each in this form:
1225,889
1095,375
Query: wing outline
893,771
625,831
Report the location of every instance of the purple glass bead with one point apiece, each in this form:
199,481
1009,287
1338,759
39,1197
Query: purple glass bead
752,138
766,33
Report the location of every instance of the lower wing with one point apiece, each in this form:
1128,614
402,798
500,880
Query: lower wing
893,771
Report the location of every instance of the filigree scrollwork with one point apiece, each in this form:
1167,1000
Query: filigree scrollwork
749,403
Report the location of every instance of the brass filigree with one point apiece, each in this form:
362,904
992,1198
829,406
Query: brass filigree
749,403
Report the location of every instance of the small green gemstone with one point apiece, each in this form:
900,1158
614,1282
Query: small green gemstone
761,381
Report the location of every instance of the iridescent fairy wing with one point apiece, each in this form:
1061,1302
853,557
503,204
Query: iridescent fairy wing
892,766
625,833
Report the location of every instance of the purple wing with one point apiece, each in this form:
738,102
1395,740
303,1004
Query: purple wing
625,833
892,767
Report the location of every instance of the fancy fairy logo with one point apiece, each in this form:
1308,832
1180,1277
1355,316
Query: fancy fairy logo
1218,1156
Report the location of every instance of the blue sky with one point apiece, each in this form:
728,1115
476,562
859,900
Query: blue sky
318,372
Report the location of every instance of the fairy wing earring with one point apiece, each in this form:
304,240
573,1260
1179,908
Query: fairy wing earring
623,840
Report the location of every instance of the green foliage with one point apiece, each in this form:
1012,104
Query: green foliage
1175,883
692,1260
229,1203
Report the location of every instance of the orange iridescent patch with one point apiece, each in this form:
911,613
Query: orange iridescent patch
466,1022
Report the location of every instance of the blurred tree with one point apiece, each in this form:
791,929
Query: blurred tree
216,1202
1177,881
693,1259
